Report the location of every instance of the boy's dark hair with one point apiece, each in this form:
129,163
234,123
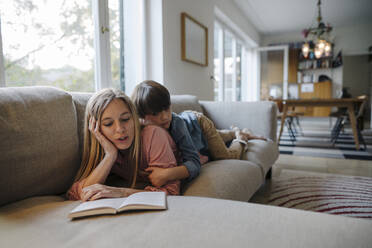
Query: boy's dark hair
150,98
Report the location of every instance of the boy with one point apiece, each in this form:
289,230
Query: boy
194,134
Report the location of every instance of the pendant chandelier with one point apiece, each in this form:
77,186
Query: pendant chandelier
317,38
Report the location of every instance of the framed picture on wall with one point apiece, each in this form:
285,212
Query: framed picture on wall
194,41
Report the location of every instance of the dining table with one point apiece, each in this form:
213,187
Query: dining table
349,103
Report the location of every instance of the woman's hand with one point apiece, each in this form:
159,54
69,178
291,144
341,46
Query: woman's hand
97,191
109,148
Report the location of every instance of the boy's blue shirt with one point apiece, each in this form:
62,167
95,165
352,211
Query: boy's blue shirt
187,135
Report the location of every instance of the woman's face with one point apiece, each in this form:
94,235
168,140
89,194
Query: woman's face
117,124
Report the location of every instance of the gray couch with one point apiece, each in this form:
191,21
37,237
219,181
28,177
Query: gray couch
40,147
41,133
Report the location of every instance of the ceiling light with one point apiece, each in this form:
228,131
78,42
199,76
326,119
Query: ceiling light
317,39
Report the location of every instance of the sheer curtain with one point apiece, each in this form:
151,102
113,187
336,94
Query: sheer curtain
143,43
2,71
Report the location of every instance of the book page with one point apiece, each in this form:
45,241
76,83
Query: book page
102,203
146,198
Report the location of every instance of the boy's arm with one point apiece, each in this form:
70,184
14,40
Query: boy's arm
160,176
190,167
190,156
159,155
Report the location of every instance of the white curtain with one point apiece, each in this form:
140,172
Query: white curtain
2,70
143,42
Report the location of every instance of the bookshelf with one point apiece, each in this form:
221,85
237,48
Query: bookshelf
315,64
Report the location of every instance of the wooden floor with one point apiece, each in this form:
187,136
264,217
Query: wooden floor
289,164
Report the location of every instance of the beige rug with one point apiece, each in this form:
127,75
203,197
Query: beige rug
325,193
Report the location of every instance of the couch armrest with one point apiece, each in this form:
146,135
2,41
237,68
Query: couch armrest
260,117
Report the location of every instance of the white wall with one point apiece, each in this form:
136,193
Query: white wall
269,39
154,41
181,77
357,73
134,48
353,39
233,17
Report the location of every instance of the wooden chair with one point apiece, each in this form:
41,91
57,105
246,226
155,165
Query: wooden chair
292,120
343,119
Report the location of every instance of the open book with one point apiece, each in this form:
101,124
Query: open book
137,201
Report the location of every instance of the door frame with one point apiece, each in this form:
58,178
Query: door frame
285,49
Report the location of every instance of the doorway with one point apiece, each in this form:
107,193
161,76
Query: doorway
272,71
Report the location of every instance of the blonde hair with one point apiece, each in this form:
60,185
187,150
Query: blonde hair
93,152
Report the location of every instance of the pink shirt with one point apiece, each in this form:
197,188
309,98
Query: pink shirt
158,150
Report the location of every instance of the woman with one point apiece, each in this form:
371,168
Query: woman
115,142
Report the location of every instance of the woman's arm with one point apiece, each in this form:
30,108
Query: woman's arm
97,191
98,176
101,172
103,169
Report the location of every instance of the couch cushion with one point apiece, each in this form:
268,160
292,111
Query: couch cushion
185,102
38,142
188,222
80,101
226,179
262,153
260,117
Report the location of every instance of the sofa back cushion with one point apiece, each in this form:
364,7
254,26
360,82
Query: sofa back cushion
259,117
80,101
180,103
38,142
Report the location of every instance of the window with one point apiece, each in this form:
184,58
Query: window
74,45
217,63
48,43
115,42
238,68
229,71
228,74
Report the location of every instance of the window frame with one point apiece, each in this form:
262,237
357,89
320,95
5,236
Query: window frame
221,55
2,68
102,58
235,39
